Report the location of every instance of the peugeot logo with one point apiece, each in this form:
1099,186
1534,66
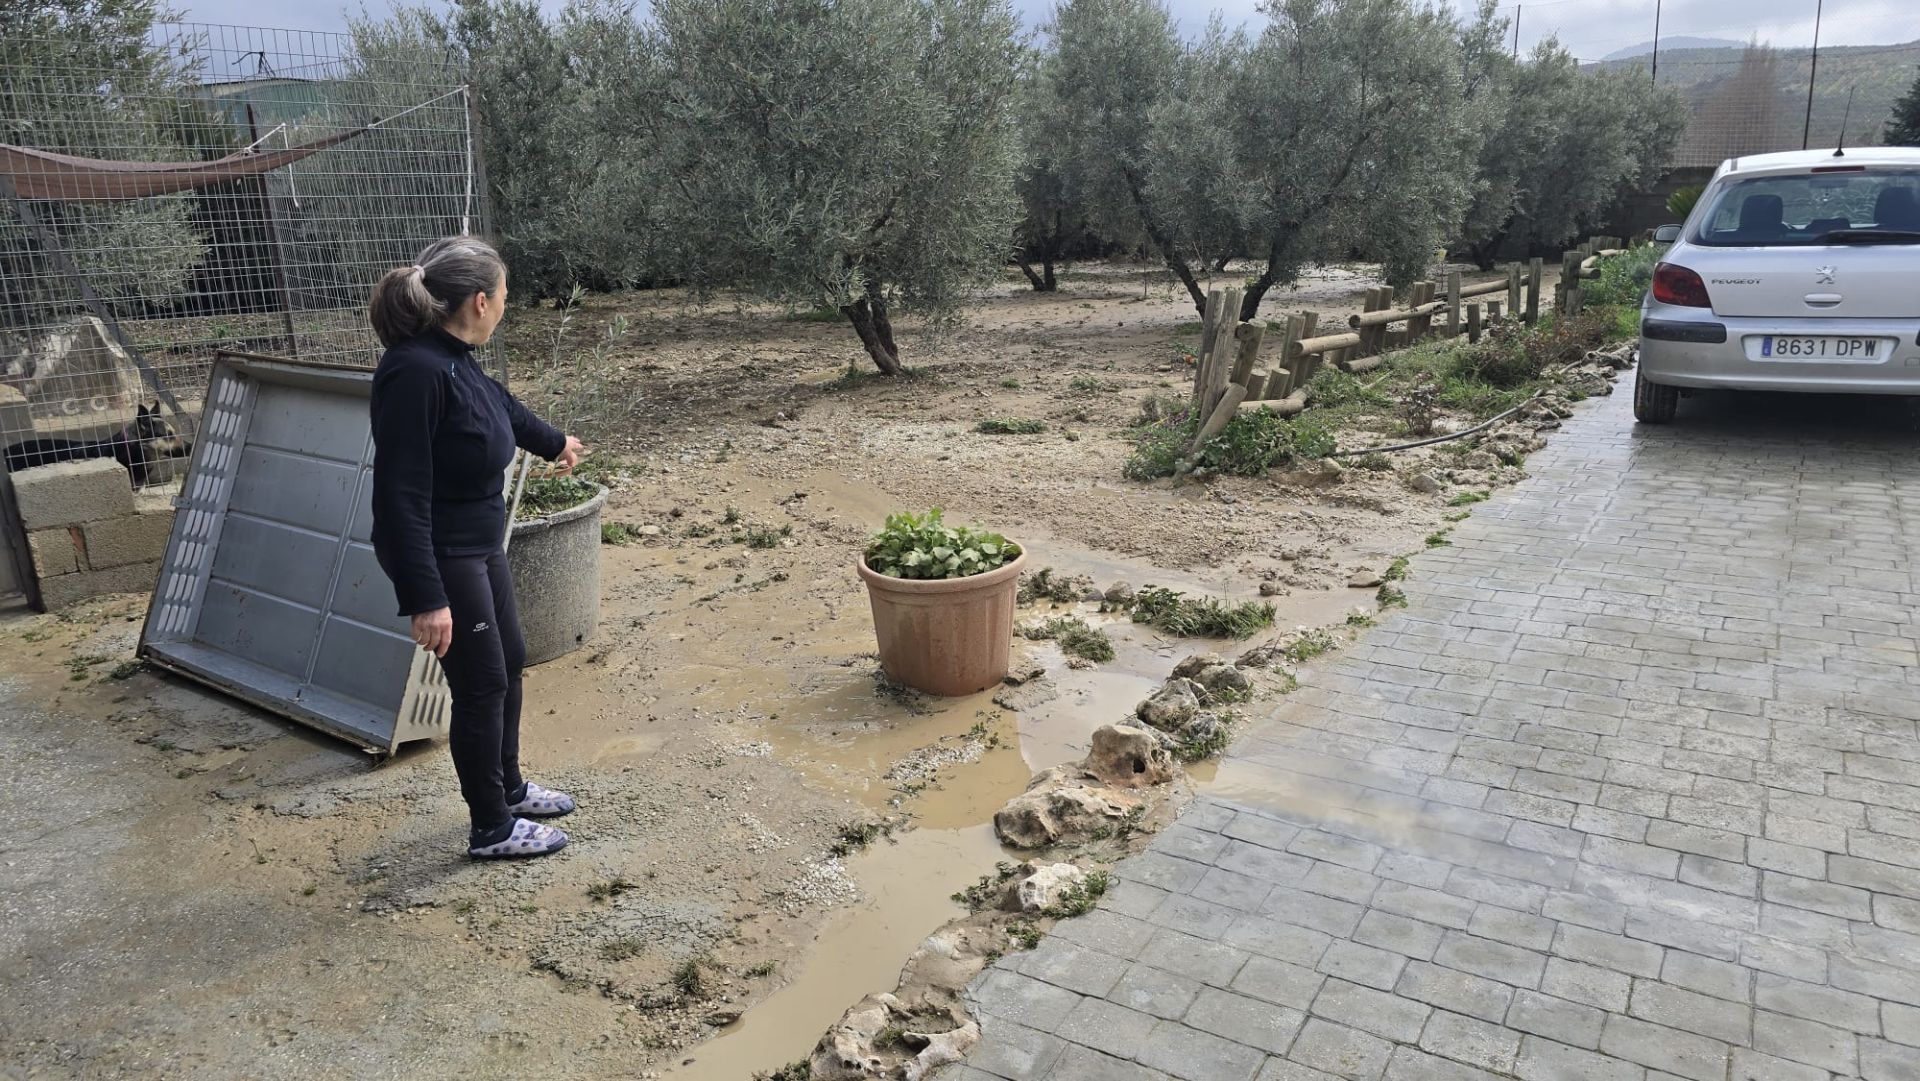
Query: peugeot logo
1823,275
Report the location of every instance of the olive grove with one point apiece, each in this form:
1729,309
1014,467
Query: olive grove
870,156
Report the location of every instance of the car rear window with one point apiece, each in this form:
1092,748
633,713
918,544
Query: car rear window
1801,209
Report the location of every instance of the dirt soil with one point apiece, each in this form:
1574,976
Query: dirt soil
194,889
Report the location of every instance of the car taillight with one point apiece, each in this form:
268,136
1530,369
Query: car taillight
1679,286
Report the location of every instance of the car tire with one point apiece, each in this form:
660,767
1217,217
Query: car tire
1652,402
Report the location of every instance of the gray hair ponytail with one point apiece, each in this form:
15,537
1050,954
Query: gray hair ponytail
410,300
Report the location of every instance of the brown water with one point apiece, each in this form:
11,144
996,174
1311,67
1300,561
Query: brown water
906,889
812,696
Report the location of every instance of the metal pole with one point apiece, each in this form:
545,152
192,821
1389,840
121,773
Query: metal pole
1813,70
1657,4
1517,9
273,244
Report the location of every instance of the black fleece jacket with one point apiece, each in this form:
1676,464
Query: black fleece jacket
443,434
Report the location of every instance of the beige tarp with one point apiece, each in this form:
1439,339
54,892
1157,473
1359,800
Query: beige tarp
39,174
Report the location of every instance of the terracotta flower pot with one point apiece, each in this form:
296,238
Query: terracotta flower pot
945,636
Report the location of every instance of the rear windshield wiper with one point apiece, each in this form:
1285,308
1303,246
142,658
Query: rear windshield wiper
1872,236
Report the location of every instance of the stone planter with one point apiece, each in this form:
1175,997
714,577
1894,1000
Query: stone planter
556,578
947,636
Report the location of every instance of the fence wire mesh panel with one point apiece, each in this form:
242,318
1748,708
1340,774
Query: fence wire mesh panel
1756,100
210,187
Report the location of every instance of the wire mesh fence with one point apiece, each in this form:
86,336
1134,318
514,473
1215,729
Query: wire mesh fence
1761,98
208,188
1754,88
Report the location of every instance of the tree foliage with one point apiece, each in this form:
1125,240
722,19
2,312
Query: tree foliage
1337,130
1053,215
1903,127
1568,144
1353,134
842,153
84,77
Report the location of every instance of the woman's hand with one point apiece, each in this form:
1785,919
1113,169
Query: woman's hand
433,631
569,457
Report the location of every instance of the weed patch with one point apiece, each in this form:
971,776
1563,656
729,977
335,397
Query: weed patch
986,891
1209,617
602,892
690,979
618,534
1075,637
624,948
1010,426
855,836
1079,898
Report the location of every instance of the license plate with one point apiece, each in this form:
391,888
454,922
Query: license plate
1819,348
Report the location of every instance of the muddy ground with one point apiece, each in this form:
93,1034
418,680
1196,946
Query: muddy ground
194,889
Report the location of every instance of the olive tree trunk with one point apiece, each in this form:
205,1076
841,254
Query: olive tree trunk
869,318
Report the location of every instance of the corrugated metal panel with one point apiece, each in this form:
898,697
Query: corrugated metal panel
269,589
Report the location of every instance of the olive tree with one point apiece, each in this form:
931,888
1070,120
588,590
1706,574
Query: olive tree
1570,143
1349,136
1112,63
1336,130
86,77
532,131
1053,215
856,154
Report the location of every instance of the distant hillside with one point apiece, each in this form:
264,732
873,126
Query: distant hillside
1748,100
1675,42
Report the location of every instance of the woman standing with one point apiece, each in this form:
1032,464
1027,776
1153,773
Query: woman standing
444,433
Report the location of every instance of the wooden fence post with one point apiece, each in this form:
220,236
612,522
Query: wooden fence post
1422,325
1311,364
1247,338
1535,269
1473,323
1453,304
1280,383
1513,288
1209,327
1493,312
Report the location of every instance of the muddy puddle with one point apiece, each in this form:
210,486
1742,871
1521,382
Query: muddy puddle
906,886
788,673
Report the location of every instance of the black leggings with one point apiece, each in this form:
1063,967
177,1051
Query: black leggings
483,673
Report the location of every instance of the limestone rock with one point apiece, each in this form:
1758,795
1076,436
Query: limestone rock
1196,664
76,376
1128,757
846,1052
1171,707
941,1048
1058,806
1047,885
1025,668
1224,679
1026,695
1424,483
1366,578
1119,593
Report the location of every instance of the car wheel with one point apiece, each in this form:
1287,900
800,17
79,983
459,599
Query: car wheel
1653,403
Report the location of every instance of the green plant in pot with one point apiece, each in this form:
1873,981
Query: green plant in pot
555,556
943,601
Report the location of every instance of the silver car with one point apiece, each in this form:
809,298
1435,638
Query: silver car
1795,272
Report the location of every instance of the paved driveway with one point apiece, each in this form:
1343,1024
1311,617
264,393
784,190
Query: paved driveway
1631,791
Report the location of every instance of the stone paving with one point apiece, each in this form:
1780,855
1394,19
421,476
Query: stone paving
1631,792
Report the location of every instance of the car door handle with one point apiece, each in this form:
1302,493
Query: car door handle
1823,300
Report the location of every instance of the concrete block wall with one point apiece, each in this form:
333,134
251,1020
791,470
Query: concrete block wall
87,531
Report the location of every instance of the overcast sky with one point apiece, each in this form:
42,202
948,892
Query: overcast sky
1591,28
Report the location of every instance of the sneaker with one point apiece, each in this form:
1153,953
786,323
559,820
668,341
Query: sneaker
527,839
542,803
